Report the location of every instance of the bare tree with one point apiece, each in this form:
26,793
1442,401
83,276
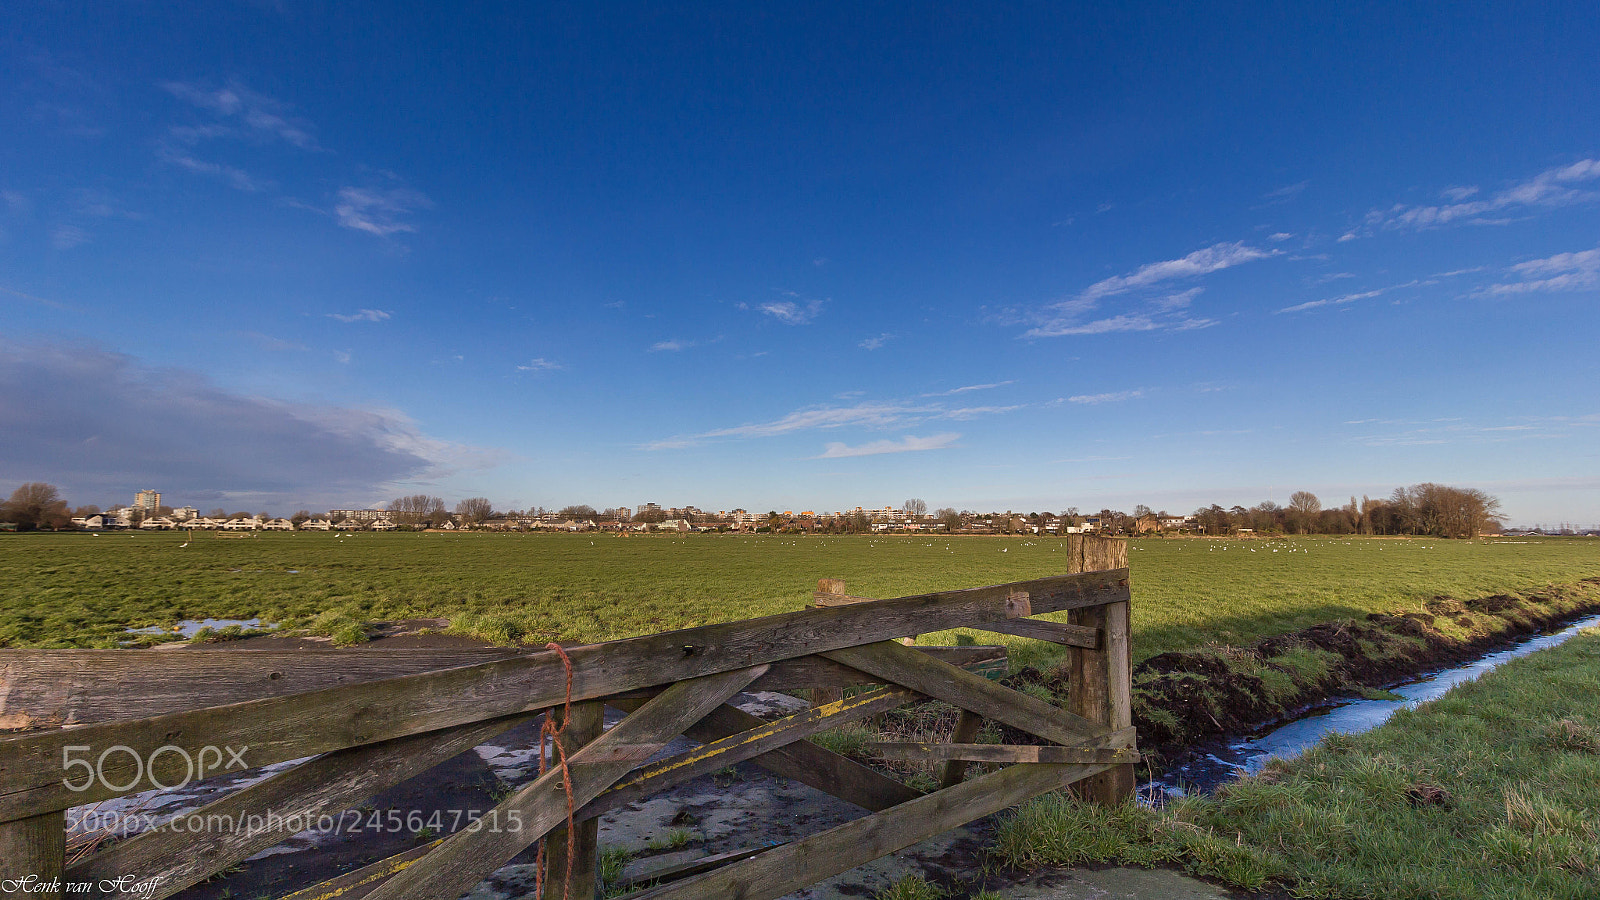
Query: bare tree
1303,509
416,509
36,505
916,507
578,511
474,510
948,517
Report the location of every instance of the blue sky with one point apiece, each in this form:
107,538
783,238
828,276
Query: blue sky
1029,256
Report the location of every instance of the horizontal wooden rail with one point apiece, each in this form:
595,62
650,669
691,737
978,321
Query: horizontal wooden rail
43,688
32,780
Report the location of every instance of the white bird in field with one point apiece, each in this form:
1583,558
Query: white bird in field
183,545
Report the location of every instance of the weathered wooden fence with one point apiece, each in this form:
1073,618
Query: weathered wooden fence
106,724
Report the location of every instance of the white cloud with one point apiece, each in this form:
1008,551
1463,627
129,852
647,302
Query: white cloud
379,211
1201,262
971,387
878,415
1164,314
1550,188
907,444
1114,397
539,364
1561,272
1346,298
1458,194
65,237
1285,193
1279,236
790,313
365,315
670,346
245,111
873,343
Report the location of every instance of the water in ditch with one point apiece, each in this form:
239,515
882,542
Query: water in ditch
1229,759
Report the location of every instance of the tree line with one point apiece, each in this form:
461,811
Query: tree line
1428,509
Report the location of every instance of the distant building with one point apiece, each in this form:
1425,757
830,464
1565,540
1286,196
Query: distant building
147,500
358,515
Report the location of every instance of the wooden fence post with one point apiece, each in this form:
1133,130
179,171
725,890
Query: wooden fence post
1100,681
580,883
827,588
34,847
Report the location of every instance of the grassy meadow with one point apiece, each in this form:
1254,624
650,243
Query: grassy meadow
84,590
1488,792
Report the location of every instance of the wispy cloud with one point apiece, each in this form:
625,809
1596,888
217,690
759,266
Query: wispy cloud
791,313
1560,186
1113,397
1284,194
1201,262
247,112
877,415
235,113
671,346
874,343
379,211
539,364
1562,272
365,315
1073,316
908,444
65,237
969,388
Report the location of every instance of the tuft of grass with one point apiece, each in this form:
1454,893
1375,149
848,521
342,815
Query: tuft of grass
350,634
673,839
845,741
911,887
612,861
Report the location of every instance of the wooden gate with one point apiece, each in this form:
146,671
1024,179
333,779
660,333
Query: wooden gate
372,718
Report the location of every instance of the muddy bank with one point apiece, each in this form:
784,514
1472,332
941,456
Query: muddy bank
1185,698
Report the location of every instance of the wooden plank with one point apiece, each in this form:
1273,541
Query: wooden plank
329,784
33,852
1005,753
814,671
1091,675
467,857
968,724
807,763
694,866
745,745
581,880
900,665
48,688
359,882
792,866
284,728
1043,630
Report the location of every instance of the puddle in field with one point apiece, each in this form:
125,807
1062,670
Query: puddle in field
1245,756
188,628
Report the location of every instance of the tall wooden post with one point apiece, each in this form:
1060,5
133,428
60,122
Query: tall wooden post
830,592
1100,681
36,848
580,883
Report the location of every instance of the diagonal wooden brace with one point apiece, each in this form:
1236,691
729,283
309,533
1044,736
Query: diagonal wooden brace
919,672
466,857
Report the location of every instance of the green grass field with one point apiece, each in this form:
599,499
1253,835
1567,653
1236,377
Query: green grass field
82,590
1490,791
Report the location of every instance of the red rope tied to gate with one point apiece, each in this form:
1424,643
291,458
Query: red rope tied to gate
554,731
